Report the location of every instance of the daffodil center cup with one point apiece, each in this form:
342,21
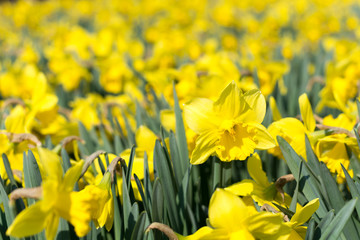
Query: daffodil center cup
237,141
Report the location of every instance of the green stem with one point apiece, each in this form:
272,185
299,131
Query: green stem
226,173
217,176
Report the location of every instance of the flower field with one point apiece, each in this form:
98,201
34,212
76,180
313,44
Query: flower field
181,120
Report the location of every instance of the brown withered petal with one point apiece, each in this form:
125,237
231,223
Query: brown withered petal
20,137
69,139
89,160
114,166
164,229
35,193
280,183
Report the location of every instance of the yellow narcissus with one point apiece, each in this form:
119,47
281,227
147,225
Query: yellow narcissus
260,189
58,200
301,216
342,121
229,127
292,129
102,207
231,219
332,151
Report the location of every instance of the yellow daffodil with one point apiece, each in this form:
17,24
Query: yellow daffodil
301,216
102,207
229,127
293,131
58,200
231,218
332,151
260,189
307,113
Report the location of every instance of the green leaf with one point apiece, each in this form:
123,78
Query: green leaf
31,171
332,190
117,226
3,226
9,170
180,134
144,200
336,200
126,202
169,187
147,180
336,226
138,115
84,134
312,159
134,215
353,190
63,231
129,131
32,176
139,229
183,189
157,205
106,143
9,215
324,223
101,165
119,147
307,183
310,231
65,160
175,158
286,211
294,199
217,173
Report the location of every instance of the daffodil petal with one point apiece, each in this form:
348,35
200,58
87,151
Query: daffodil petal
145,138
242,234
263,137
214,234
231,102
307,113
256,172
302,215
52,226
243,188
274,109
72,176
110,217
224,209
30,221
167,119
51,163
265,224
257,103
206,145
199,115
204,231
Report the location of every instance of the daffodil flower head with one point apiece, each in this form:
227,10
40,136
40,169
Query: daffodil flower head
58,200
229,127
231,218
258,188
102,204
